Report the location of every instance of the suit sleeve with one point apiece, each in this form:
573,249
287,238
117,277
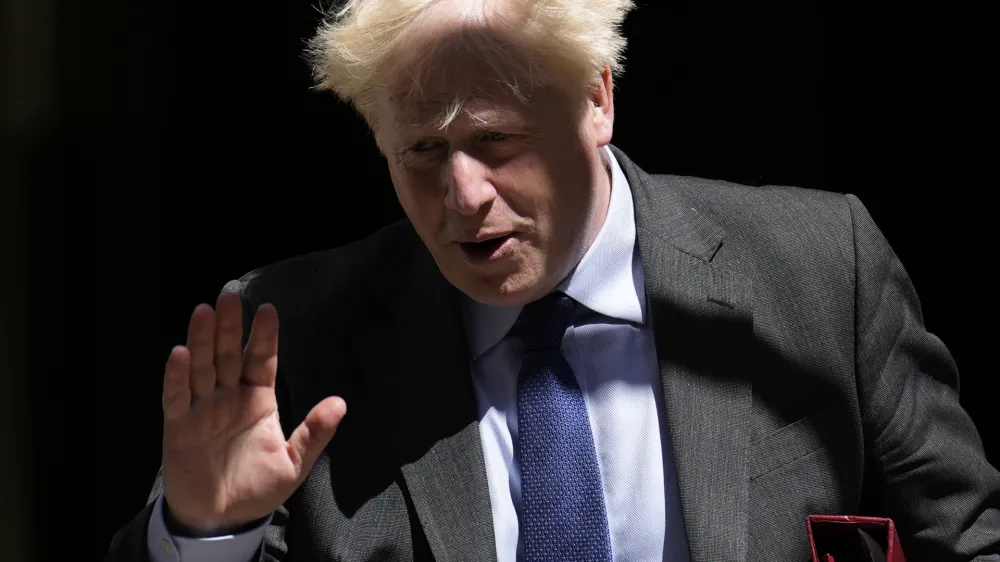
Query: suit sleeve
931,475
131,544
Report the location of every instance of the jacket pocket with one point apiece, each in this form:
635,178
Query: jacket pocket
789,443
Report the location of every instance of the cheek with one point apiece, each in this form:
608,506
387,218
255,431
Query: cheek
562,224
420,201
404,193
569,208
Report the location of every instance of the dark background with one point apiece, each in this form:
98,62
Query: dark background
155,150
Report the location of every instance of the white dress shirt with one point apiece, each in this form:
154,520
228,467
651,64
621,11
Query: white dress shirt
610,347
611,350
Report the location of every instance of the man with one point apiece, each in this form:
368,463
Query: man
557,356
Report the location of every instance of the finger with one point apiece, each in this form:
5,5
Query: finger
176,393
201,344
311,437
228,340
260,360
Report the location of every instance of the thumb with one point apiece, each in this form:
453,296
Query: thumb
310,438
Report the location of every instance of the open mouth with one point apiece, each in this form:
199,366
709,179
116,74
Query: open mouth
488,250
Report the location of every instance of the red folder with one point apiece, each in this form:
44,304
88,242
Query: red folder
851,538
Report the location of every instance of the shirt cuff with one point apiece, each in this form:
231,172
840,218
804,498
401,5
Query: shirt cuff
164,547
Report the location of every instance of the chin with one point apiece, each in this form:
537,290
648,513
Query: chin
516,289
516,281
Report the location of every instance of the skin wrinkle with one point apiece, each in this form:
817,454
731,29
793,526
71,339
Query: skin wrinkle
442,40
426,114
503,164
493,116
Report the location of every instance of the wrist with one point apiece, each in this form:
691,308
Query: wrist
178,528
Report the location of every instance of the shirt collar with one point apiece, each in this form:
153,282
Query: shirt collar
607,280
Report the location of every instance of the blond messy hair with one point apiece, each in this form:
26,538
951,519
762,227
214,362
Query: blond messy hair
358,49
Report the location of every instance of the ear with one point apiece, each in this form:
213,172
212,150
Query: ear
603,113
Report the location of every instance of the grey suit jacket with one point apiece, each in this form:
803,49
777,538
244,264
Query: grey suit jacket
798,379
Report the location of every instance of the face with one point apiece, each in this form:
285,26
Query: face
511,194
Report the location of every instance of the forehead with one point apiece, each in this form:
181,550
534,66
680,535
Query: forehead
477,108
467,75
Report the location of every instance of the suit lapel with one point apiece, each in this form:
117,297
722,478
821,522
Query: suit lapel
701,314
416,356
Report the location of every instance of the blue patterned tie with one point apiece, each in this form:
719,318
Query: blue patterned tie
562,502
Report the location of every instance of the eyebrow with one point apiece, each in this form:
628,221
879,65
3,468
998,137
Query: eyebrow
490,118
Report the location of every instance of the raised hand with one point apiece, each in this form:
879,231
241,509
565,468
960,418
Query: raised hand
225,460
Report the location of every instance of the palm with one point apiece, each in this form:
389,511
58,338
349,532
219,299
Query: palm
225,457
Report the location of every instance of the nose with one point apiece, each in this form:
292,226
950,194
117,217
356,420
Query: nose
469,187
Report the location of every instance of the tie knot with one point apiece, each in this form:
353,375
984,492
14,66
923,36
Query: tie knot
544,321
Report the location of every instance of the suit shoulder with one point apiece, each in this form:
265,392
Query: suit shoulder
778,209
760,201
771,224
344,270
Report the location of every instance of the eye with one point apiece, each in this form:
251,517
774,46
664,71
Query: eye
495,136
424,146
